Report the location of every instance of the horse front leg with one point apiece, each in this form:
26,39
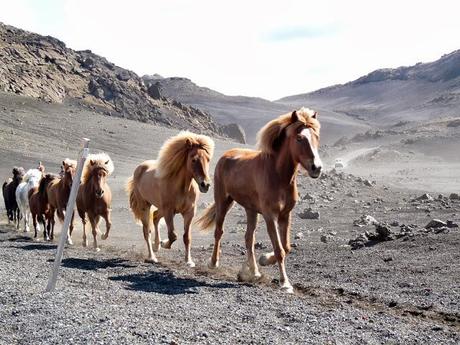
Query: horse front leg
172,236
147,227
279,252
71,226
108,224
284,224
94,220
249,271
188,217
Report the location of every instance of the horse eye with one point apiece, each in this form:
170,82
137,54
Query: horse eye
299,138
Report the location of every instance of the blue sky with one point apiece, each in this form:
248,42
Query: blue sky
266,48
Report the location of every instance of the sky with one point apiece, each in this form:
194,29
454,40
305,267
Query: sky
268,49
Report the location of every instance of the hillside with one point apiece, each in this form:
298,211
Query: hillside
386,96
44,68
249,112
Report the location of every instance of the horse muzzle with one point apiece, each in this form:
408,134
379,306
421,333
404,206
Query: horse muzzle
99,194
204,186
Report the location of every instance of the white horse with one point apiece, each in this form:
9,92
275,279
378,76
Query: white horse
31,179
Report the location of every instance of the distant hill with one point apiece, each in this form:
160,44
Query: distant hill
44,68
415,93
249,112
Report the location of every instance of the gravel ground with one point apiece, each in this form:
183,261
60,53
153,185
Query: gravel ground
406,290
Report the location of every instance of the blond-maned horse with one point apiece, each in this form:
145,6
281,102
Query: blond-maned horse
58,192
94,196
264,182
171,185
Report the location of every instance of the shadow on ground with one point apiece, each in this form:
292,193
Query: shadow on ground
93,264
166,283
37,246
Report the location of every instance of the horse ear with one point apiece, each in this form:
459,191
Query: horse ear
107,162
63,163
91,162
188,143
294,116
315,115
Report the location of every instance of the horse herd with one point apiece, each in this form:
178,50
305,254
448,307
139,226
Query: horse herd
262,181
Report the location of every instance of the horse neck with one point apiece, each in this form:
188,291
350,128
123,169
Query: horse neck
184,180
286,167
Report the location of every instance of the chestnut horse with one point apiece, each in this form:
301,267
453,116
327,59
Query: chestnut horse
9,195
171,185
58,192
40,208
264,181
94,196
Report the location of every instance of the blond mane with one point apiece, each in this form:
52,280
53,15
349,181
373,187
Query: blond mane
173,154
70,162
93,161
271,132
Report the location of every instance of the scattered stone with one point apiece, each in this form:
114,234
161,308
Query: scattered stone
435,223
454,196
308,213
358,242
299,236
308,196
365,220
384,232
368,183
424,197
325,238
394,223
260,245
450,224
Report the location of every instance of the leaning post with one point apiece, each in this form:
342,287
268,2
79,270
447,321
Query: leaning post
68,216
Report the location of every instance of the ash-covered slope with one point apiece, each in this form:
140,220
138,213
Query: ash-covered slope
44,68
419,92
251,113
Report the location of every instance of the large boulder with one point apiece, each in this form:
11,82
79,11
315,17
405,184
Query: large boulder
234,131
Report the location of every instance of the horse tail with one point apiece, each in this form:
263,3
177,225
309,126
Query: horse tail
136,202
207,219
43,185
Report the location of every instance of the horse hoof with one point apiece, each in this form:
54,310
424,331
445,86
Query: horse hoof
287,288
97,249
266,259
165,244
104,236
213,266
190,263
84,244
151,260
69,241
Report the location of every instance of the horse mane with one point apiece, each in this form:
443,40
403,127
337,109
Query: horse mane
270,136
94,161
70,163
173,154
32,173
18,171
44,182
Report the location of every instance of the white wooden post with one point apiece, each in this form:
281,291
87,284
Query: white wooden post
68,216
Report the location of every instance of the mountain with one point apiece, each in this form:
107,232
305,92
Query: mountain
43,67
251,113
385,96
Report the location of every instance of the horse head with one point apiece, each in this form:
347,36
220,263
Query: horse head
99,176
68,171
303,140
198,165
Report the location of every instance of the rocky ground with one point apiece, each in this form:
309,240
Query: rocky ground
399,285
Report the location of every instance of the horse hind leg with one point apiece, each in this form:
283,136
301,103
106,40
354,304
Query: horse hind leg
156,225
222,207
250,271
83,222
172,236
146,227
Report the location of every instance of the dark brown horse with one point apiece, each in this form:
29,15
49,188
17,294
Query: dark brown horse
58,192
171,185
264,182
94,196
40,208
9,195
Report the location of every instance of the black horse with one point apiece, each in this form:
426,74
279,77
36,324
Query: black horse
9,194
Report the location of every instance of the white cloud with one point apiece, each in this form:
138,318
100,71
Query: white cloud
224,45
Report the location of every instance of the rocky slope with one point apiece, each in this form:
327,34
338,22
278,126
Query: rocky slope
386,96
44,68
